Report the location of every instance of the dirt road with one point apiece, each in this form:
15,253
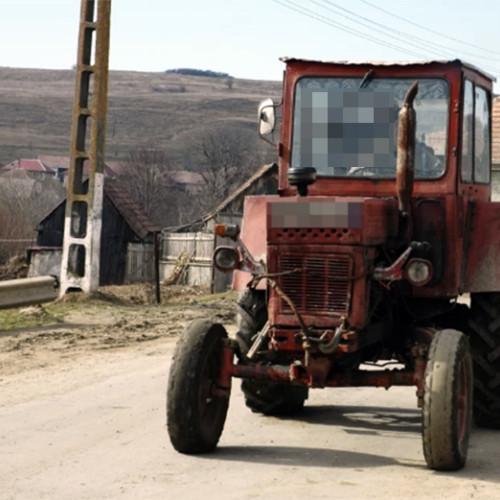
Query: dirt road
82,416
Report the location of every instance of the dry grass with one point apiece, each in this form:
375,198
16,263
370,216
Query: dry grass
145,109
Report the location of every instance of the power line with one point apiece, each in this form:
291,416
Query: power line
318,17
428,29
401,35
386,31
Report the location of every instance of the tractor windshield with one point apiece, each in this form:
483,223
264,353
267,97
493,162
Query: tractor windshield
347,127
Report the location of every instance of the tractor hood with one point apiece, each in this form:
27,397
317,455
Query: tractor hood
274,220
333,220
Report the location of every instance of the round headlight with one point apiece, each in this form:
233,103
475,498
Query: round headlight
418,272
226,259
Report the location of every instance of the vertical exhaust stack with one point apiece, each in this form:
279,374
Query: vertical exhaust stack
406,151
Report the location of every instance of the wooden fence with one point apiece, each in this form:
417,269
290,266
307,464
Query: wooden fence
200,248
140,263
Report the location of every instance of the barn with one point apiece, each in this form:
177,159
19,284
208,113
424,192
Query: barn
126,245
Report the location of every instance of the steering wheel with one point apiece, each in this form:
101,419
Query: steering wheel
371,172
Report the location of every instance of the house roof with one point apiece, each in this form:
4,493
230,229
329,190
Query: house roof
130,210
30,165
266,169
53,162
495,145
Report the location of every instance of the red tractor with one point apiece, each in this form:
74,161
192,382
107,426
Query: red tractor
382,220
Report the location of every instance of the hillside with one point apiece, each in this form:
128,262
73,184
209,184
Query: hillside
161,110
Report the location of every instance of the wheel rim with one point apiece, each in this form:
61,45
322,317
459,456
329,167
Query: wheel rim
462,401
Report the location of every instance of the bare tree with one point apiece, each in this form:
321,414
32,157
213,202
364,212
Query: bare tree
146,176
226,159
24,201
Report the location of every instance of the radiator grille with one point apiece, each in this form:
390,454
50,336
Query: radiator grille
322,283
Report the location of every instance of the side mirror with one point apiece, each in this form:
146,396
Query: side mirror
267,117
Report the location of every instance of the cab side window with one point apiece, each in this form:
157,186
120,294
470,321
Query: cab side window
468,132
481,137
476,147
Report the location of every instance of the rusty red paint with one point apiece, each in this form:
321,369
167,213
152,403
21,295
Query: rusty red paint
395,271
483,247
360,378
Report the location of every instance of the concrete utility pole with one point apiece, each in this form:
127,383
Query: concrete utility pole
83,219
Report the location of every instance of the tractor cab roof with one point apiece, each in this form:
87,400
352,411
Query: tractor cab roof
454,62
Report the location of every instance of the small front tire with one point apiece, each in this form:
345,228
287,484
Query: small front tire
447,406
196,407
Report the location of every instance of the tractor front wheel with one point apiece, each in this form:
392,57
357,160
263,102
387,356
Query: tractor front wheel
447,407
269,398
196,406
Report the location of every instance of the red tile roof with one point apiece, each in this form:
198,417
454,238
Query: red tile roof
28,165
55,161
49,164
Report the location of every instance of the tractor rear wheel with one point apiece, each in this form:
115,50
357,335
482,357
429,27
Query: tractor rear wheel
269,398
196,407
484,328
447,407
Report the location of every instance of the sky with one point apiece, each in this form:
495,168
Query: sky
246,38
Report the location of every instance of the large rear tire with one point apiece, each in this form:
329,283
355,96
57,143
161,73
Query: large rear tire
268,398
484,328
196,411
447,407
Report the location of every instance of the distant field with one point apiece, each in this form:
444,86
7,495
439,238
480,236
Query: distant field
167,111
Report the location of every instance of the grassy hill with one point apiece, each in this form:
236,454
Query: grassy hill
161,110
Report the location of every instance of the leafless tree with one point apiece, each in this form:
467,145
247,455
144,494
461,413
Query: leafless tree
226,159
24,201
147,176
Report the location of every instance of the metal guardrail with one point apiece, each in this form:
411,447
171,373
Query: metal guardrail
28,291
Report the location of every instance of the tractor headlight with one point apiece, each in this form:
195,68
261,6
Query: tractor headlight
418,272
226,259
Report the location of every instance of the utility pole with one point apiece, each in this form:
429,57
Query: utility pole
83,218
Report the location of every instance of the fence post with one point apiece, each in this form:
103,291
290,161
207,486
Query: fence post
156,237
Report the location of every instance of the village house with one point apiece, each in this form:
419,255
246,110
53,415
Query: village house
126,244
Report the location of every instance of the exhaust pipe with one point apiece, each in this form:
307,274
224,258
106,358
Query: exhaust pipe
406,151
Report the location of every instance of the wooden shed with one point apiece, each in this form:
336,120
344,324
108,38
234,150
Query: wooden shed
126,244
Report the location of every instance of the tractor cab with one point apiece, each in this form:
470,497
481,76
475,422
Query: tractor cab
341,119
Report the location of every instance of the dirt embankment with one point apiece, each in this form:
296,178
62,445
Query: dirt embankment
114,317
